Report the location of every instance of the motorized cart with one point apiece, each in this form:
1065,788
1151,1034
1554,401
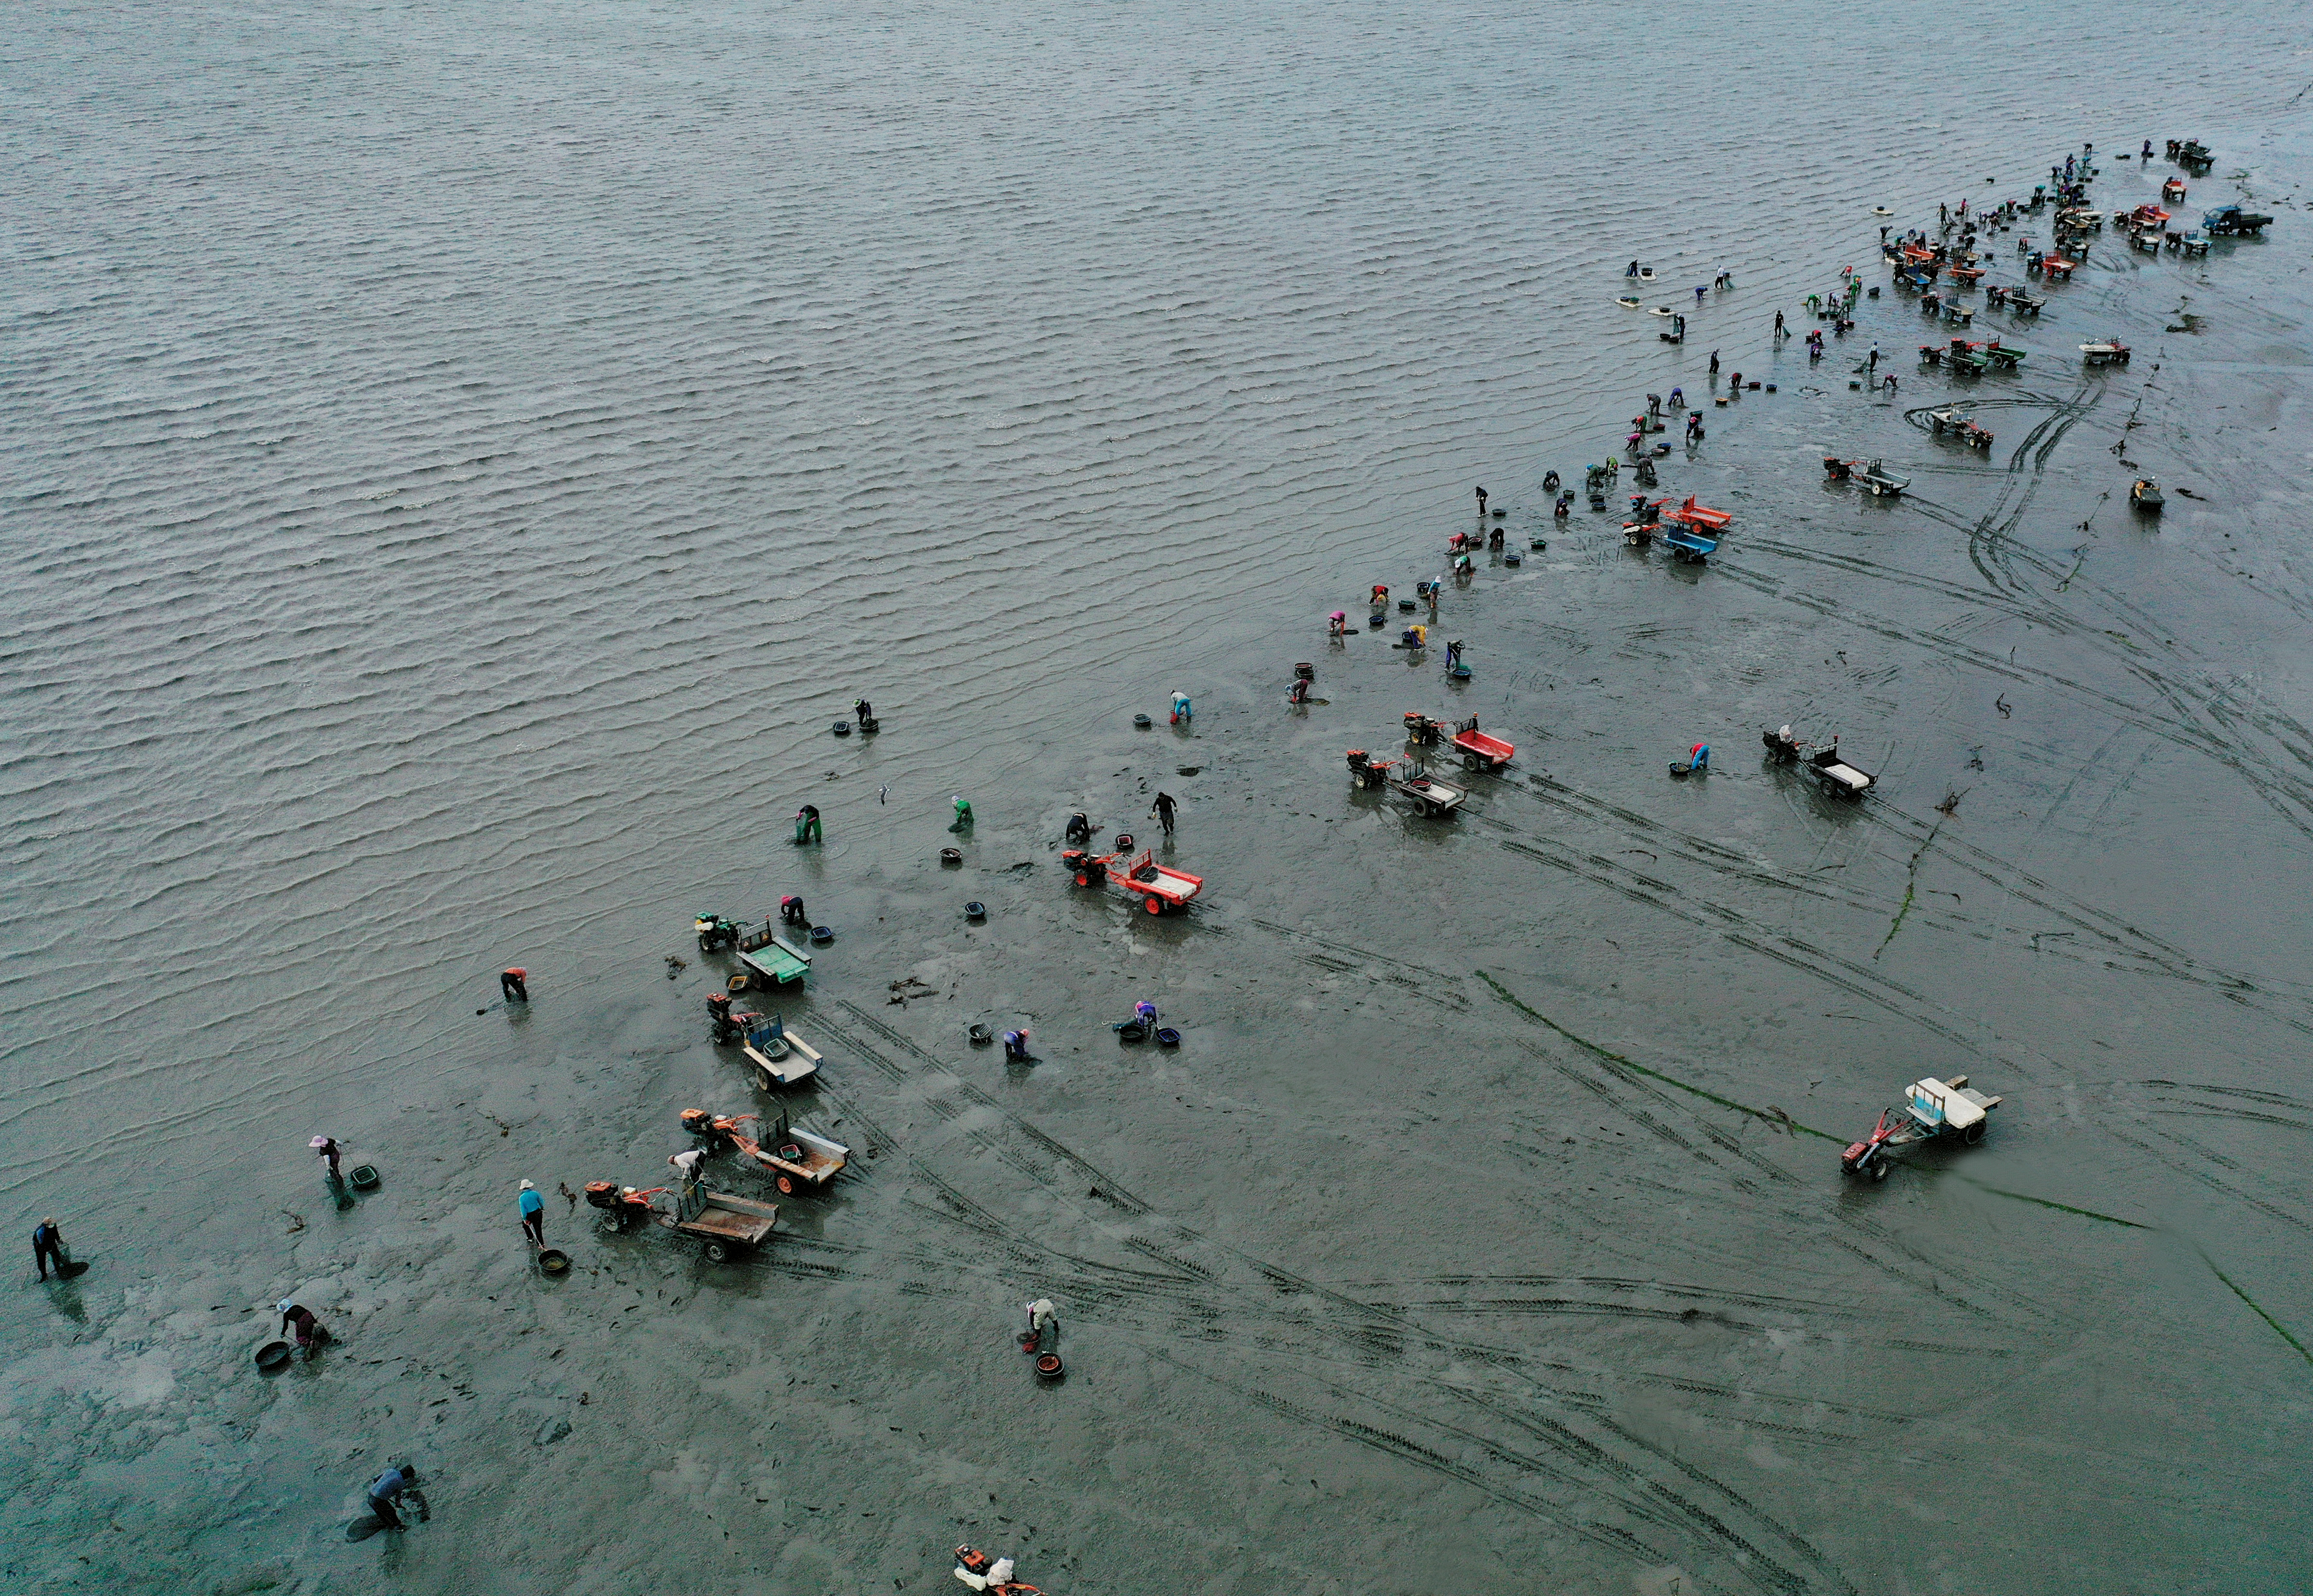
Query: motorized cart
1434,798
779,1056
721,1222
1931,1109
1702,516
797,1159
1368,772
1951,422
1481,752
1161,888
1834,773
772,960
2230,221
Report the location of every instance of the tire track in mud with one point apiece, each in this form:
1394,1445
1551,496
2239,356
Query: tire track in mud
952,1097
2288,793
2117,938
1218,1283
1646,1121
1586,1451
1227,1296
1378,967
2195,718
1487,1462
1908,1267
2150,955
1859,981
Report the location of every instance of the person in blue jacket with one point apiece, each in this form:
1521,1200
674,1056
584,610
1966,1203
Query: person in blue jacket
534,1214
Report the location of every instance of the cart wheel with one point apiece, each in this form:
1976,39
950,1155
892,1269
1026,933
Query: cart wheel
717,1252
1156,906
786,1186
1879,1170
1974,1134
1469,762
1082,879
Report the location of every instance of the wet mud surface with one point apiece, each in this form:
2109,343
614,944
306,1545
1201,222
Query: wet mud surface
476,586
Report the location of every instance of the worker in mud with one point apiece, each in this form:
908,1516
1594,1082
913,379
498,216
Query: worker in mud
1454,655
1078,828
534,1213
327,1149
1044,1323
807,827
513,985
296,1315
1016,1047
1163,809
791,911
862,711
386,1491
963,809
1694,426
687,1162
1714,363
1337,624
1782,331
1482,500
49,1246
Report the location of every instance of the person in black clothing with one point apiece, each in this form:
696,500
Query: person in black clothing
49,1246
1482,501
1163,809
297,1317
512,985
1714,363
326,1148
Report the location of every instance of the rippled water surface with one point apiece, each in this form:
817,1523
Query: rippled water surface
461,460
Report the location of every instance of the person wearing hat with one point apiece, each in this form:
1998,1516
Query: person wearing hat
327,1149
513,985
48,1246
534,1214
299,1318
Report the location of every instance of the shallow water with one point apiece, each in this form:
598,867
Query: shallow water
462,461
